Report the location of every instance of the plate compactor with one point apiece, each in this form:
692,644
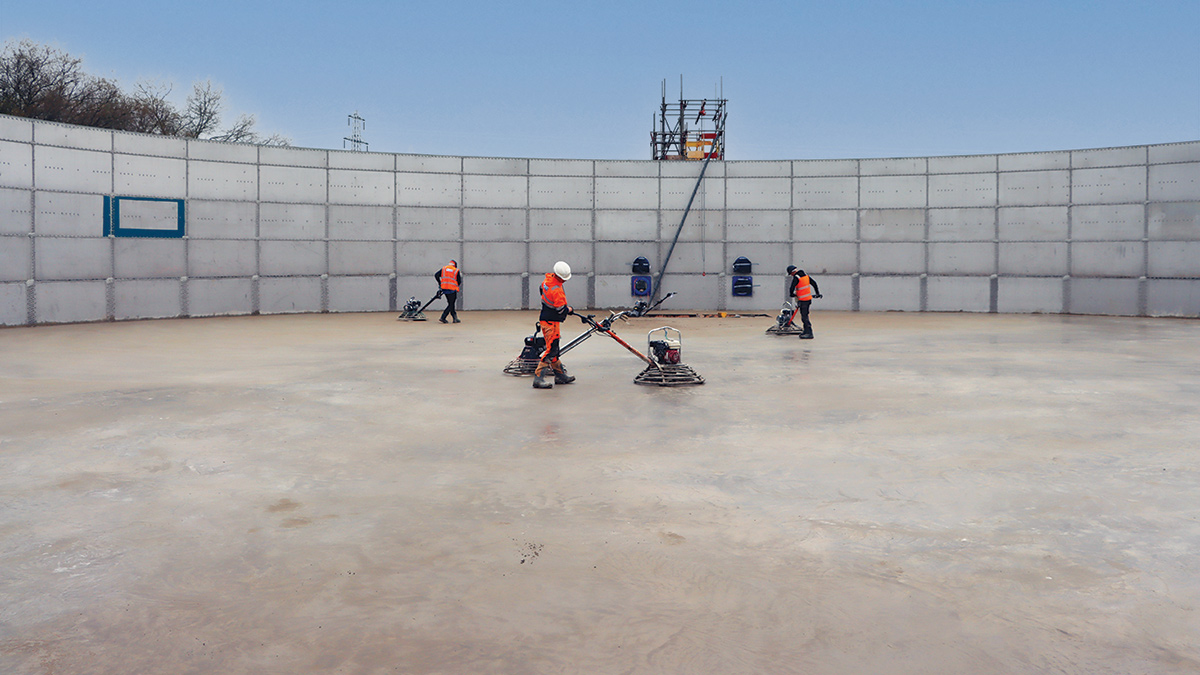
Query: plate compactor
414,310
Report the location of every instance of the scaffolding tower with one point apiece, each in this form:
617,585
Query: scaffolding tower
690,129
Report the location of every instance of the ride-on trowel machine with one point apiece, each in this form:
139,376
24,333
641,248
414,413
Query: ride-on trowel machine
414,310
663,366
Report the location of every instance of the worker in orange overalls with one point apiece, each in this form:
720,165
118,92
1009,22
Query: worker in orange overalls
554,310
804,289
450,281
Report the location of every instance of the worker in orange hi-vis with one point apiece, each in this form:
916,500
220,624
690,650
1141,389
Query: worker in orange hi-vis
450,281
554,310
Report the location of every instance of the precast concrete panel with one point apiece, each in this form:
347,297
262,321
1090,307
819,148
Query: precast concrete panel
1179,221
495,191
361,257
353,159
348,186
694,292
969,189
1108,259
700,225
634,169
149,144
291,221
494,225
819,192
901,166
543,255
1114,297
758,226
766,258
696,258
627,225
150,176
1034,161
135,258
561,192
14,303
1175,182
220,297
889,294
1159,154
560,225
71,136
892,192
429,189
978,224
1104,157
560,167
16,165
1033,258
756,169
715,170
958,294
826,225
423,258
64,214
1035,188
215,151
222,180
358,294
147,299
1172,297
69,170
1174,259
293,157
71,301
16,129
222,258
626,193
494,257
221,220
16,258
962,258
289,295
1117,222
16,212
1108,186
496,291
496,166
429,164
428,224
612,292
291,258
825,258
1033,223
892,225
963,164
361,223
677,192
58,258
892,258
837,294
617,257
291,184
1029,295
758,193
825,167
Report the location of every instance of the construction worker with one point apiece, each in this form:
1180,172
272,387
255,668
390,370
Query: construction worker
554,310
804,289
450,281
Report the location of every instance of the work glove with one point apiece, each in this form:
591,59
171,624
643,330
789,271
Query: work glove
569,310
818,295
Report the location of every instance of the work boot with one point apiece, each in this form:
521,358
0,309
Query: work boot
539,378
442,320
806,335
456,320
561,376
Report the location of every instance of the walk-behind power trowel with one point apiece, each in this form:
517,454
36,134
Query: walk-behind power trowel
414,310
785,323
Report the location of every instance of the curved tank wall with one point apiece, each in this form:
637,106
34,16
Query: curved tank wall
100,225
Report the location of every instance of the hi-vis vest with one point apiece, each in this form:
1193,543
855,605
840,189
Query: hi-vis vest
449,279
803,289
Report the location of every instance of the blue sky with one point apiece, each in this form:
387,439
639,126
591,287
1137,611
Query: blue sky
832,79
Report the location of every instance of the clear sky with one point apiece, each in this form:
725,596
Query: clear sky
583,79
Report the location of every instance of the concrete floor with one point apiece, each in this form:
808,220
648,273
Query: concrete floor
353,494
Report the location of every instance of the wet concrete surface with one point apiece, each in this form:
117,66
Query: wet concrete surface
351,494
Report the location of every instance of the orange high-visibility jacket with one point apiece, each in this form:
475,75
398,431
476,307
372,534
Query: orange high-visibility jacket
449,278
803,288
554,299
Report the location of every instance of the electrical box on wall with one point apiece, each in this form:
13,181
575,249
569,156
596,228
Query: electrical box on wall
743,283
640,284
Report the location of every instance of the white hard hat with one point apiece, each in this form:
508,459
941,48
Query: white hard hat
562,270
